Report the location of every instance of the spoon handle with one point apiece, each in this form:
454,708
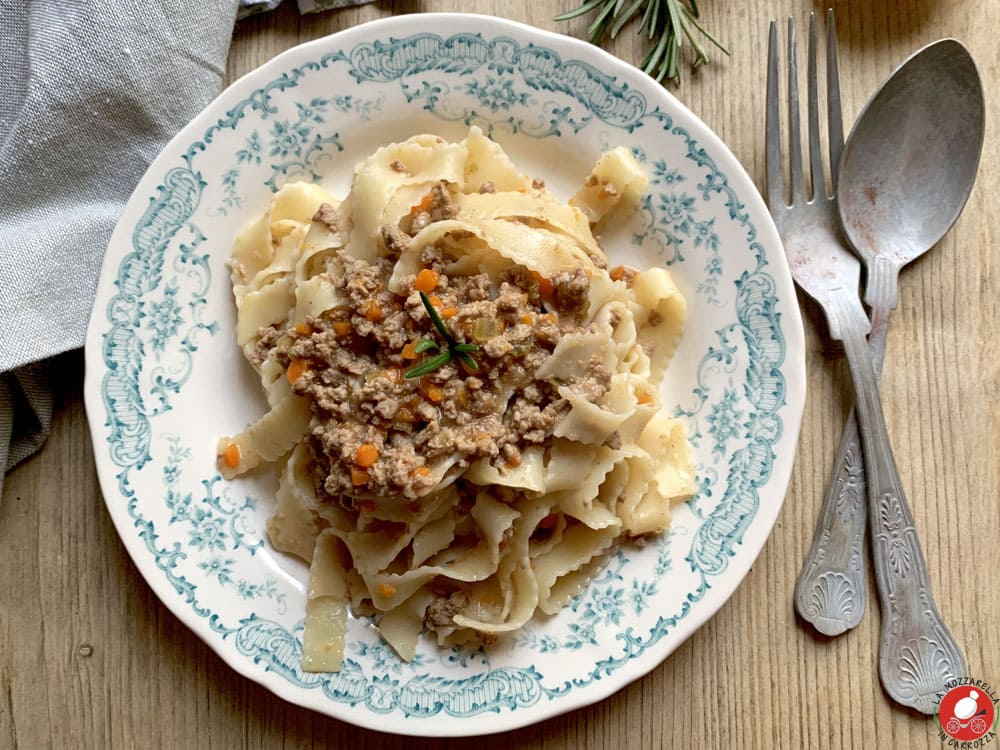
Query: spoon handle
917,654
831,592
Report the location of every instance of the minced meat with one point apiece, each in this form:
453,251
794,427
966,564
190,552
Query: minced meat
354,360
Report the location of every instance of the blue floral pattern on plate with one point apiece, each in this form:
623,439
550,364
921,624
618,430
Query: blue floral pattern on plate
158,397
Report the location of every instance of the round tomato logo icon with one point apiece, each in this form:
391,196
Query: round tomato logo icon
966,713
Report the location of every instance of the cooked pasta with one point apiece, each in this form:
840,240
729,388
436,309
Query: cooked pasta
464,399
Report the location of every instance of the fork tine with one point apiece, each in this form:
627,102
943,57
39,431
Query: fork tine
815,151
772,126
835,127
794,128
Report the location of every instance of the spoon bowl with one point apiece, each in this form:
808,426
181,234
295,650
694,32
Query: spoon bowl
905,175
911,159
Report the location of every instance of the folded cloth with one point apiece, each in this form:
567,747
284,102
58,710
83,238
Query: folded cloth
90,91
249,7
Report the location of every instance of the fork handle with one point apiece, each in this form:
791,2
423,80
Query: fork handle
830,592
917,653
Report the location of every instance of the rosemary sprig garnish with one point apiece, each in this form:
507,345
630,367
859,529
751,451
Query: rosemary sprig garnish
462,352
671,23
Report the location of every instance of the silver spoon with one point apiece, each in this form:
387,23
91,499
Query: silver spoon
906,172
910,164
908,176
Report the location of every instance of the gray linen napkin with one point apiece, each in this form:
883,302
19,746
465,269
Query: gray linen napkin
90,91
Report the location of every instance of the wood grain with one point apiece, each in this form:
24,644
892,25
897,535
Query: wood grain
89,658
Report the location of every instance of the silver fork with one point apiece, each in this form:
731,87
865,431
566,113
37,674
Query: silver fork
830,592
917,654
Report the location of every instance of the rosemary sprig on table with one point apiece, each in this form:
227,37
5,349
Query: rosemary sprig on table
668,22
462,352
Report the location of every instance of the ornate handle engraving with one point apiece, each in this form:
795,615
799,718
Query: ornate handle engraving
837,551
830,592
917,654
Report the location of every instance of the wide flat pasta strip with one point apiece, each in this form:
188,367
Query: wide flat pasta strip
616,178
432,538
568,587
298,201
401,626
326,608
523,582
293,526
487,162
528,475
251,253
666,442
267,439
422,160
573,354
315,297
389,589
587,422
580,545
537,205
655,290
262,308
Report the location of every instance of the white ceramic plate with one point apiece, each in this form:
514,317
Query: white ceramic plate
165,378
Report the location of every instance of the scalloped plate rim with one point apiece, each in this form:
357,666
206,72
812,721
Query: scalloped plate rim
793,368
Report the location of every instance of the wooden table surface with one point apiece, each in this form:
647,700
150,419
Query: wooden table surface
89,657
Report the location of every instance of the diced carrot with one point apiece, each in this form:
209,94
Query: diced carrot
410,351
232,455
617,273
436,301
421,471
295,369
373,311
405,415
426,203
544,285
341,327
366,456
386,589
433,392
449,312
359,477
645,398
549,522
303,329
527,319
462,397
427,280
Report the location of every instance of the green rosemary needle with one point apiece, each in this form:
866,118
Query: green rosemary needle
463,352
668,24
